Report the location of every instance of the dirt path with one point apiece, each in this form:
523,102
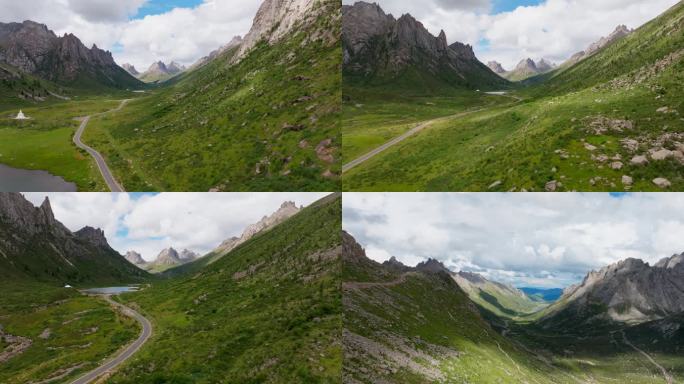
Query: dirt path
411,132
112,184
129,351
357,285
668,378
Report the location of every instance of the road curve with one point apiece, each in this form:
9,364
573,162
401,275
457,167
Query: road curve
129,351
112,184
411,132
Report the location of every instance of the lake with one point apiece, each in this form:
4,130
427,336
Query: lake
110,290
26,180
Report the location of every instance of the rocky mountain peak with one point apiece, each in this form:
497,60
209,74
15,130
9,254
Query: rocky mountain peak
130,69
274,19
134,257
175,67
526,64
351,250
432,266
475,278
187,255
168,256
671,262
544,66
92,235
620,32
496,67
18,212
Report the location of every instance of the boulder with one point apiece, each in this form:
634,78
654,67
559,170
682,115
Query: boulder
639,160
627,180
662,182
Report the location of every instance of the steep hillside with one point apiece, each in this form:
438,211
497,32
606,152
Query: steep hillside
20,89
420,327
36,247
269,121
36,50
268,312
380,50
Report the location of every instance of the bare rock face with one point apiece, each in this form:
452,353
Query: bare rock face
233,43
629,291
130,69
274,20
376,44
92,235
620,32
432,266
14,208
496,67
134,257
33,48
168,256
187,255
351,250
286,210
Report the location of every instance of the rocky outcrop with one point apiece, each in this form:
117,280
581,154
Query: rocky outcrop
620,32
134,257
168,256
286,210
432,266
34,245
629,291
376,44
187,256
233,43
33,48
528,68
277,18
159,71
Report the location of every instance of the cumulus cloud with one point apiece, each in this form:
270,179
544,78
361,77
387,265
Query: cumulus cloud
554,29
150,223
526,239
181,34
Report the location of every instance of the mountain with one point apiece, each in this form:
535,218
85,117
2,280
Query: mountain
36,247
268,312
234,43
496,67
543,295
134,258
159,72
170,258
419,326
620,32
130,69
629,291
379,50
528,68
273,114
186,255
500,299
34,49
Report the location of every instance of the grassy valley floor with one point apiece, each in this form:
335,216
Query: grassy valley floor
62,334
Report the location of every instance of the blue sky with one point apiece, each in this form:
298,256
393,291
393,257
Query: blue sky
156,7
509,5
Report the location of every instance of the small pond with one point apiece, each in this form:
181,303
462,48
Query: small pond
26,180
110,290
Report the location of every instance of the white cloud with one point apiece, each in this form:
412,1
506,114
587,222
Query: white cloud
182,34
148,224
554,29
525,239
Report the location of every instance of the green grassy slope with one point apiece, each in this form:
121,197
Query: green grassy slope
251,126
504,301
70,334
20,90
267,312
572,129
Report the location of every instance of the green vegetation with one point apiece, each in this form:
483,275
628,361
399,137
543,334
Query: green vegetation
267,312
270,122
598,103
70,334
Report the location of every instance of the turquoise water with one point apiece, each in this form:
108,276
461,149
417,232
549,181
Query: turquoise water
110,290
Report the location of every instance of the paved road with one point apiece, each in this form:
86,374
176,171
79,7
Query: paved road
411,132
112,184
129,351
668,378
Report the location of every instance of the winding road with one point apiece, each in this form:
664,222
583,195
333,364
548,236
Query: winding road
112,184
129,351
413,131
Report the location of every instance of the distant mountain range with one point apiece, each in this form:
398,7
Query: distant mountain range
525,69
34,49
36,247
379,49
619,32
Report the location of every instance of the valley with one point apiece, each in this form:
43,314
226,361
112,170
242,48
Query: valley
588,124
259,113
428,324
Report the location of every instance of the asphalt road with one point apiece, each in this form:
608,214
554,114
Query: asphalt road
411,132
112,184
129,351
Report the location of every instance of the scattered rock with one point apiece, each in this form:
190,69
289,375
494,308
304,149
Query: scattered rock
293,127
627,181
553,186
616,165
662,182
589,147
639,160
495,184
630,144
303,144
45,334
324,151
661,154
